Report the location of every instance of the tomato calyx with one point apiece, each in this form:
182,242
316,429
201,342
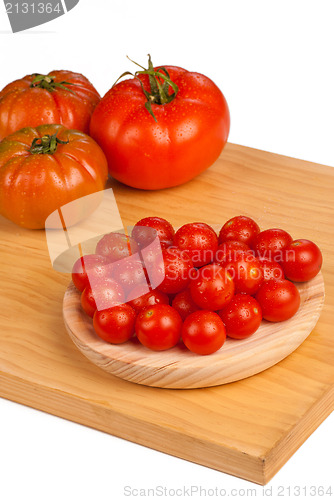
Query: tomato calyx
159,92
47,82
45,145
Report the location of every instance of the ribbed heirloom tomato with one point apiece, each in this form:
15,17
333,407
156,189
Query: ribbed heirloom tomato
161,128
44,168
60,97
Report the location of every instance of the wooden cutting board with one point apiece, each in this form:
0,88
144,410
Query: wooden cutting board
248,428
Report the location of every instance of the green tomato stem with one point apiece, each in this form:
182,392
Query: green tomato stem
47,82
159,92
47,144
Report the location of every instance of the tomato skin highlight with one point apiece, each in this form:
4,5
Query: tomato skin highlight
199,240
115,325
102,295
230,249
129,273
203,332
32,186
270,244
116,246
187,138
212,288
240,228
302,260
145,231
242,316
175,269
89,268
158,327
184,304
23,106
246,272
279,300
271,269
139,298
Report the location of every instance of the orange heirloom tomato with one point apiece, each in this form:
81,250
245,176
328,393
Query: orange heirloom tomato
60,97
155,137
43,168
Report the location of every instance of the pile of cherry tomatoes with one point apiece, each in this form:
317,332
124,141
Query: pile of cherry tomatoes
192,285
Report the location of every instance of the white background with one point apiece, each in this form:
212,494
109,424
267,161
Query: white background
274,63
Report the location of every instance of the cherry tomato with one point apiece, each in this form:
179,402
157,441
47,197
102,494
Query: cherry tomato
116,246
146,230
185,136
184,304
228,249
242,316
271,270
89,268
271,243
140,297
199,240
116,324
240,228
302,260
158,327
246,272
129,273
203,332
174,271
104,294
279,299
212,288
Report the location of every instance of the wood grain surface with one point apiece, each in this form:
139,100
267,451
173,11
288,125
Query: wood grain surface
178,368
248,428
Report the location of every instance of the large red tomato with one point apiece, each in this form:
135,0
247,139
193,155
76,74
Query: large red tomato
60,97
155,139
44,168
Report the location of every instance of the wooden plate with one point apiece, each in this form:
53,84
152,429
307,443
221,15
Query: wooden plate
179,368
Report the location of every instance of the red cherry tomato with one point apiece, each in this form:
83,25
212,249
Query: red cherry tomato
116,324
116,246
103,295
242,316
175,270
158,327
302,260
271,243
271,270
96,267
246,272
139,298
203,332
199,240
229,249
212,288
279,299
184,304
146,230
129,273
240,228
